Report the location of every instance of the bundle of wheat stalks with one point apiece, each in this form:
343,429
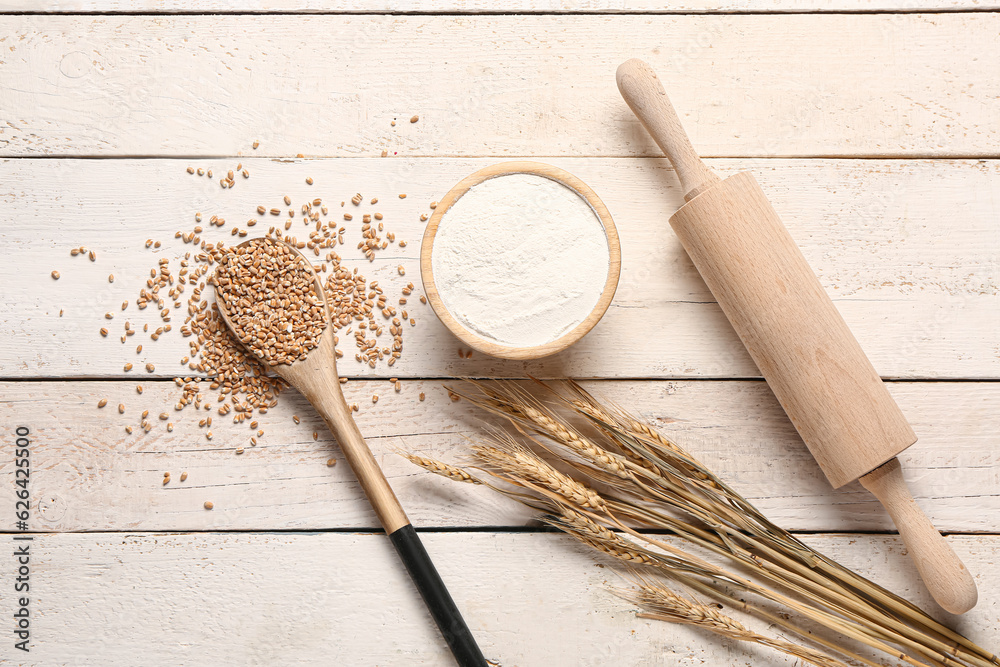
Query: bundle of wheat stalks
603,476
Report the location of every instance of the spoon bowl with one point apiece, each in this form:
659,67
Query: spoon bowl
320,361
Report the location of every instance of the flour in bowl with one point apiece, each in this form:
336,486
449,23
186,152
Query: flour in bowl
520,259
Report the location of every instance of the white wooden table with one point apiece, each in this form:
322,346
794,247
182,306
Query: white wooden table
873,126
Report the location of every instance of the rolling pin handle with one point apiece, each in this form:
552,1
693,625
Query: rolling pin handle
946,577
644,94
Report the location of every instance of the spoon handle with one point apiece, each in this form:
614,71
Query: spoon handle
328,399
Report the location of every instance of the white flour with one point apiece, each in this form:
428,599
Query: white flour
520,259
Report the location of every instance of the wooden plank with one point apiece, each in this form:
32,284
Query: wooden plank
488,6
862,85
88,474
327,598
909,250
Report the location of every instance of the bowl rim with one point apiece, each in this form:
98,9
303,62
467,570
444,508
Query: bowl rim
473,339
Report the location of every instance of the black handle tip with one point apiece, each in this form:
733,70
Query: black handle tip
446,614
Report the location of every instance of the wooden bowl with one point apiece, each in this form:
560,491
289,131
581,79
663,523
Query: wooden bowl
491,347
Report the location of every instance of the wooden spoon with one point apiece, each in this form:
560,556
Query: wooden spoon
315,377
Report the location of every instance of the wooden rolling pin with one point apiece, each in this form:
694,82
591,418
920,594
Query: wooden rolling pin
796,336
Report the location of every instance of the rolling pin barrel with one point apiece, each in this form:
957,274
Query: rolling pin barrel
794,333
801,344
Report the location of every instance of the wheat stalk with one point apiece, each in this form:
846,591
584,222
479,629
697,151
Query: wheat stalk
623,470
942,639
666,605
681,566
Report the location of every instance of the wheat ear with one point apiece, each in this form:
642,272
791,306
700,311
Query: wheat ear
518,462
666,605
453,473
